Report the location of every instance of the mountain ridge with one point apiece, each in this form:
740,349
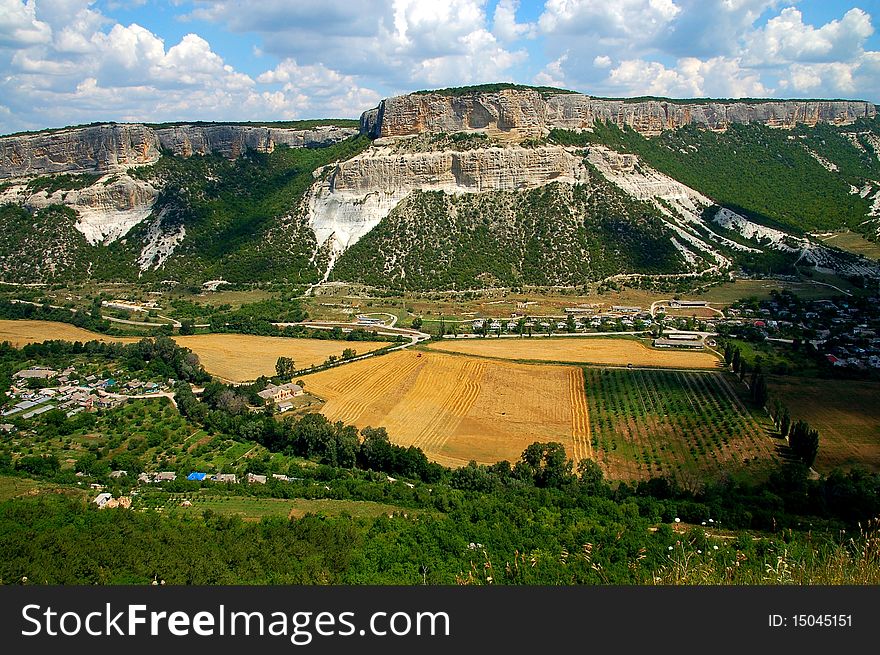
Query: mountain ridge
453,189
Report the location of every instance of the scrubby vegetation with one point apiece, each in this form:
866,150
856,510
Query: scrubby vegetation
766,174
242,218
553,235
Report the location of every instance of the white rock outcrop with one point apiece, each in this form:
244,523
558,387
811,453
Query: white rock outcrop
356,194
106,210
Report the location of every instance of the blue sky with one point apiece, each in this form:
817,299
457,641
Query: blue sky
77,61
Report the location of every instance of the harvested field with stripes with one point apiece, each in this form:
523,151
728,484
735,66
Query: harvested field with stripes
581,350
21,333
684,425
457,408
846,413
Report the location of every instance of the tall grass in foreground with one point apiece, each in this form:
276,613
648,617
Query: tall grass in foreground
855,562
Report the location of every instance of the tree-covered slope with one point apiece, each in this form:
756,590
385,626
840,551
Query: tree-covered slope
553,235
241,218
798,179
44,245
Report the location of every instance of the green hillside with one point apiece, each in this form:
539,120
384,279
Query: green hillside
553,235
767,174
242,218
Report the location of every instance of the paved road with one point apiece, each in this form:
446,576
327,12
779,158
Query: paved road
414,337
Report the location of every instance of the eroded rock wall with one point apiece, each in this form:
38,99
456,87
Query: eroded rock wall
524,112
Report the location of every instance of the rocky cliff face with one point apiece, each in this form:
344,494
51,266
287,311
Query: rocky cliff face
356,194
232,140
106,210
97,148
523,113
116,147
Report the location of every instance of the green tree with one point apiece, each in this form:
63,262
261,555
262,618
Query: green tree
417,323
187,327
285,368
546,464
804,442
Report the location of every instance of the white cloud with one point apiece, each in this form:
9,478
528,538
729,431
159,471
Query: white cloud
602,61
399,45
504,24
634,20
786,39
19,26
553,75
321,89
87,68
691,77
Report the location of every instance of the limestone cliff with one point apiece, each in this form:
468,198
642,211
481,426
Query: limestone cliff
119,146
232,140
525,112
106,210
356,194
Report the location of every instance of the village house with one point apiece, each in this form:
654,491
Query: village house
253,478
35,373
102,499
225,477
275,394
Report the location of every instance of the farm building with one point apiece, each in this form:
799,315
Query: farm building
253,478
678,343
102,499
225,477
276,394
35,373
675,304
623,309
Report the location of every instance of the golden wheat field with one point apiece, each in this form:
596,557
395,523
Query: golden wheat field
20,333
581,350
242,357
235,357
457,408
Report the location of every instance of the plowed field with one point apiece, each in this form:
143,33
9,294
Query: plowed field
457,408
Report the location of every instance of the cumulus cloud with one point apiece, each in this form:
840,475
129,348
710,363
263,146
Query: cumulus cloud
19,26
787,39
727,48
553,75
88,68
634,21
504,24
398,45
718,77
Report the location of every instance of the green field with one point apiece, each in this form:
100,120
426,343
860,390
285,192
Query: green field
253,509
16,487
684,425
854,243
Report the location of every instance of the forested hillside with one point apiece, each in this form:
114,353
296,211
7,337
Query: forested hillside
772,176
557,234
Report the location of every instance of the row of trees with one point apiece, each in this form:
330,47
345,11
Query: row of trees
803,440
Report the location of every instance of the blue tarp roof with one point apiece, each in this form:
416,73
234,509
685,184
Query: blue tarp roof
198,477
